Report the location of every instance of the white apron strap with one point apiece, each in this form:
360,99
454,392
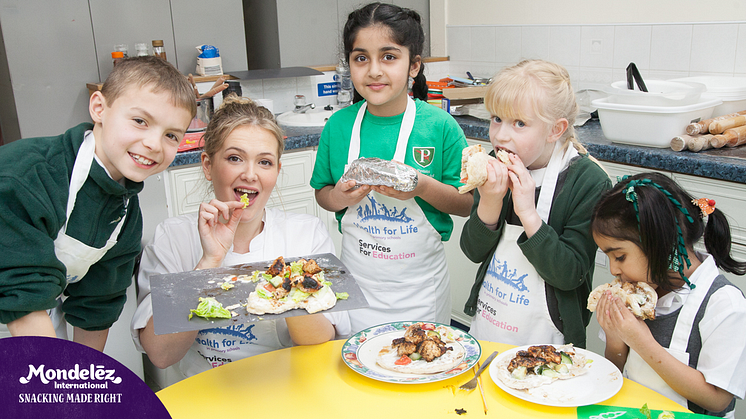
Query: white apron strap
405,130
549,183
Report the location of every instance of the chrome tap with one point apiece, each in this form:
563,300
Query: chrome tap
300,104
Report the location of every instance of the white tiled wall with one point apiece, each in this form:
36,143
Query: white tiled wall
596,55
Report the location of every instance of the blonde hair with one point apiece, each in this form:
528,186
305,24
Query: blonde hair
542,85
235,112
153,72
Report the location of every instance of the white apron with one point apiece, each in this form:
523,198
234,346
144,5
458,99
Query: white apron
394,252
512,306
76,256
638,370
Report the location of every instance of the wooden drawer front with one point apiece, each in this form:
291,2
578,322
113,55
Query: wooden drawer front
730,197
189,188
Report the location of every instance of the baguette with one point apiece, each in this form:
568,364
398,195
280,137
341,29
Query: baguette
703,127
718,127
736,136
691,142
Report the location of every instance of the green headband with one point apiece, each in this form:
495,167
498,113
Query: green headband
679,256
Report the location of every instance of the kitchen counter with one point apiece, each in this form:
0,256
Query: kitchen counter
725,164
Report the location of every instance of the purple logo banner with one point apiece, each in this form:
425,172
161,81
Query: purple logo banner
46,377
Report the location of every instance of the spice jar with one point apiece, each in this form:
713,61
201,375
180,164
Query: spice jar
123,48
117,56
141,49
158,49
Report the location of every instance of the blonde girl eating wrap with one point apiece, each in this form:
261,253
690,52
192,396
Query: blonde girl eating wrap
530,222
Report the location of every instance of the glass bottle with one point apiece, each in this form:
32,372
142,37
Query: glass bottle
158,49
344,94
123,48
141,49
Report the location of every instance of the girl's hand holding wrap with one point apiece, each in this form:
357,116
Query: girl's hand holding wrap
523,187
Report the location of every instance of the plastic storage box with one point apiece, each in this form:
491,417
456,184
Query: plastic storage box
650,126
731,90
660,93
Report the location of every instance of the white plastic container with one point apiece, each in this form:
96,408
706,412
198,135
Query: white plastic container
660,93
650,126
731,90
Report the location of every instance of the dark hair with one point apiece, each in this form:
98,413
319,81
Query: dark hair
656,233
406,30
153,72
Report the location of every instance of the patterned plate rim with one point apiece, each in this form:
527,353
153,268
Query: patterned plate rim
355,342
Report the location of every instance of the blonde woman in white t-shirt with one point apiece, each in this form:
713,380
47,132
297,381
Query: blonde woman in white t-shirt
243,145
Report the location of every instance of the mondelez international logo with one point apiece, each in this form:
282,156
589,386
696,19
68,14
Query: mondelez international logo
46,377
60,376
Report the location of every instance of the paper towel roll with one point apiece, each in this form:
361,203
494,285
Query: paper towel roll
267,103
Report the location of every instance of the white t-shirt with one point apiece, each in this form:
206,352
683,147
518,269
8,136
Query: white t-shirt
176,247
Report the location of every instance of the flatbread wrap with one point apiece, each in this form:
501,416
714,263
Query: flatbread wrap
539,365
639,297
424,349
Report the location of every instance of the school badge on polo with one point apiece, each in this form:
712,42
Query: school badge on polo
423,155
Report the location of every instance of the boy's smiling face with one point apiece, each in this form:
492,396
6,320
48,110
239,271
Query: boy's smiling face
137,135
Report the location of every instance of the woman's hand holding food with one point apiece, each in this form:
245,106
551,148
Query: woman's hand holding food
215,235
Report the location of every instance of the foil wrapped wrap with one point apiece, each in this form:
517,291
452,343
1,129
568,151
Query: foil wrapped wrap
375,171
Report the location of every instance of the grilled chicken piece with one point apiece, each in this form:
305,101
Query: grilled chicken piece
547,352
429,349
280,292
277,266
403,347
415,334
308,284
311,267
525,361
287,284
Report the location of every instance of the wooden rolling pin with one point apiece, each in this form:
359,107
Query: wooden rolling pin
731,137
691,142
703,127
718,127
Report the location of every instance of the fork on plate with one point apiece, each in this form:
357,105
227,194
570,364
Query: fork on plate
472,384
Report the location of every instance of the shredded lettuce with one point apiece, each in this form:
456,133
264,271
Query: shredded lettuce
322,292
342,295
266,276
210,308
262,292
296,268
297,295
254,276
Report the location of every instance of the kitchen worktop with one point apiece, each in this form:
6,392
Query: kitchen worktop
725,164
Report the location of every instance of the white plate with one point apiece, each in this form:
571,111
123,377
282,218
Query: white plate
602,381
360,352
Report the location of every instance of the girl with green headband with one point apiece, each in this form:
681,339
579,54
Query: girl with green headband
694,351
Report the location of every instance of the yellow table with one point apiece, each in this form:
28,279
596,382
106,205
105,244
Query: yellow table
314,382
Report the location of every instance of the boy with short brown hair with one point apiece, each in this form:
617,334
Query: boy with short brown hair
70,221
